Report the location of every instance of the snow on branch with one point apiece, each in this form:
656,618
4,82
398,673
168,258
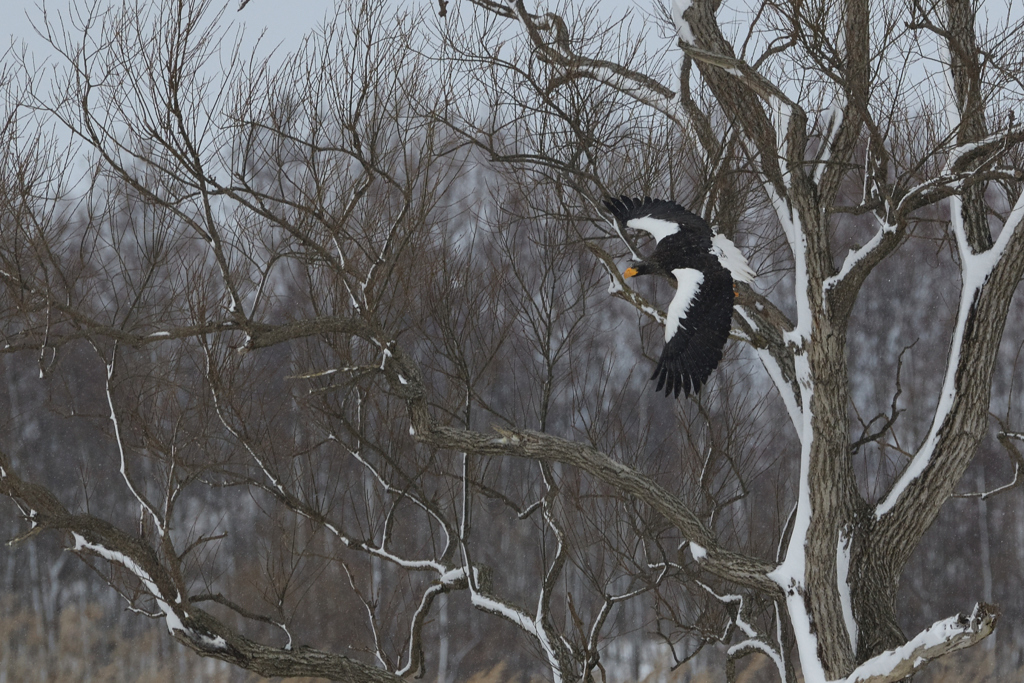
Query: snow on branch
532,626
830,132
938,640
866,255
754,641
95,536
765,328
976,271
963,157
205,640
949,184
159,521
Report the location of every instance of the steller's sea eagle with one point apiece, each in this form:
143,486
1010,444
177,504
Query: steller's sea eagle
704,265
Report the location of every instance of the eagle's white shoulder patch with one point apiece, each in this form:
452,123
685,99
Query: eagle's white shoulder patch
732,259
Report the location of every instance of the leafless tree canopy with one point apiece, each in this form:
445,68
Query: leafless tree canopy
325,362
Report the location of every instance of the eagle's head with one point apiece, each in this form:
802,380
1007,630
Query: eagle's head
644,268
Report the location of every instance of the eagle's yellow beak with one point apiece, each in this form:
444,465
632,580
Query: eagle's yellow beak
629,272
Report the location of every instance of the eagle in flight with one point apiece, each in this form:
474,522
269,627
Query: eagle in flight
704,265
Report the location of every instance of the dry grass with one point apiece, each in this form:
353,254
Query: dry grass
79,648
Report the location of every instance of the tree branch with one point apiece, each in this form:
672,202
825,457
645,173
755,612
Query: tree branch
939,639
190,626
406,381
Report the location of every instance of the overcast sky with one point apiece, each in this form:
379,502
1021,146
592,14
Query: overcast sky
285,21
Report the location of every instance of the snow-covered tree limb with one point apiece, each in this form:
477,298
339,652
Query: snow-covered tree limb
989,280
938,640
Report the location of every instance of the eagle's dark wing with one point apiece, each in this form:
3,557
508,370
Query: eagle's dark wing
695,346
627,209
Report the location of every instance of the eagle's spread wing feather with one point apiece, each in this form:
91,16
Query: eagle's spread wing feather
695,348
659,217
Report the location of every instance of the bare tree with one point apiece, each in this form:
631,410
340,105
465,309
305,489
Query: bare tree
808,103
344,326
